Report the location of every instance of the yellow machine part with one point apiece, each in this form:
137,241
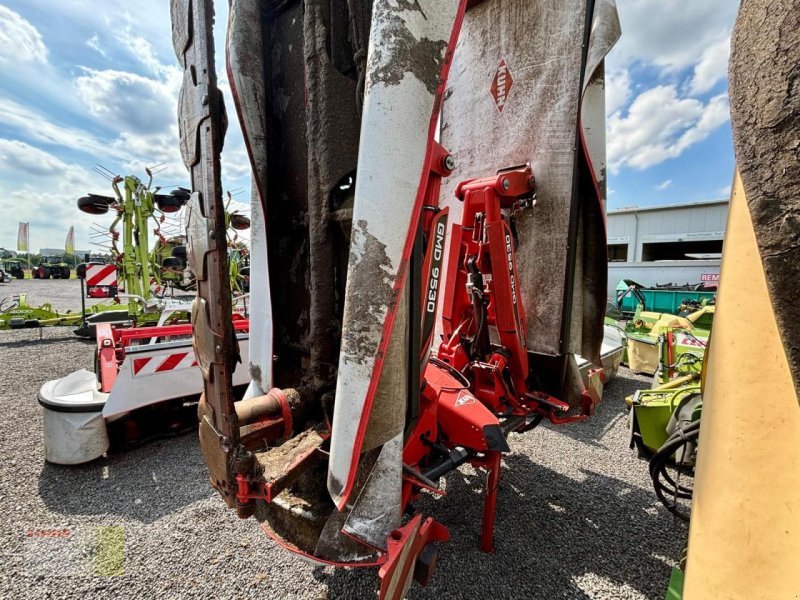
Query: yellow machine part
744,540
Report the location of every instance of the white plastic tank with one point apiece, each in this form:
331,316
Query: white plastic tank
74,428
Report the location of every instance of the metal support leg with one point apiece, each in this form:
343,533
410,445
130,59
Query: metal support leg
492,463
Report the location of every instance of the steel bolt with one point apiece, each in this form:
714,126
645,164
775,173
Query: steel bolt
506,183
449,162
204,100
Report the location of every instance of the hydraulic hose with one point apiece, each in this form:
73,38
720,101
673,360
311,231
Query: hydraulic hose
667,489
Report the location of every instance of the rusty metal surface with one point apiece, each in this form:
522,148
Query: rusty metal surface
202,121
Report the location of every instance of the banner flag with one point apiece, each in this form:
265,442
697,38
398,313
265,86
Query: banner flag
22,238
69,245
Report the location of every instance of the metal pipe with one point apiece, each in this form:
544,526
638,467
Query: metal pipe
456,458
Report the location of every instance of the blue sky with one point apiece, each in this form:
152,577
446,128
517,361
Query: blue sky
90,81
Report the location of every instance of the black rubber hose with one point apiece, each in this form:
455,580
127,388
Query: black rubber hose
670,491
659,461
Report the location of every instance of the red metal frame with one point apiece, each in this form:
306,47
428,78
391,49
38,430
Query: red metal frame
112,342
475,384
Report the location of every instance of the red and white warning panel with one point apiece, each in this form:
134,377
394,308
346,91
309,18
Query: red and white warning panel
101,279
150,365
163,371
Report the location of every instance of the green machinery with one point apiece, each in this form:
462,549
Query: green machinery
147,277
664,299
52,267
14,268
665,420
16,313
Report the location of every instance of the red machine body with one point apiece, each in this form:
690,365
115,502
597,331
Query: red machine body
474,390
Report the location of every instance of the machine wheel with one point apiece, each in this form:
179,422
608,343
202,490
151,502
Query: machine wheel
179,252
181,194
168,203
240,222
94,204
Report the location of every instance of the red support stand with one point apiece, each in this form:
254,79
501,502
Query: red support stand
492,463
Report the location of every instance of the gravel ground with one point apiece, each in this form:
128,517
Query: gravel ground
577,517
63,294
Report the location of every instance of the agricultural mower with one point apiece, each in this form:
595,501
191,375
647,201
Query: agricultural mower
145,372
153,281
665,420
145,385
429,251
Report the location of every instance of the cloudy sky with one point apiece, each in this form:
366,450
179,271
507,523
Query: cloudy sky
91,81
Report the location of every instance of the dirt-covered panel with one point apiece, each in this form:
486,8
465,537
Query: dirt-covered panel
287,193
489,124
332,133
764,79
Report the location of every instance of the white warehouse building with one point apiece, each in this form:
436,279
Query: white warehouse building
677,244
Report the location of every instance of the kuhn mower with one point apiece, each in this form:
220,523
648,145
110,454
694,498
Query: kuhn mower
145,384
428,255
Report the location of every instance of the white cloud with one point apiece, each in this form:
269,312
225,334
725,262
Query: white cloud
145,53
712,66
725,191
235,162
18,156
687,45
671,34
618,90
47,195
664,185
124,118
127,101
19,40
94,43
659,125
38,127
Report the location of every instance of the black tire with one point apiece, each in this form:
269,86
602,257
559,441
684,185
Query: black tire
240,222
94,204
172,263
179,252
168,203
181,194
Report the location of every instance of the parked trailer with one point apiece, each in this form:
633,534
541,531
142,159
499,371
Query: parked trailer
649,274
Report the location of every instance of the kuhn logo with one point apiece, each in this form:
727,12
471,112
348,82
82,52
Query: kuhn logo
464,397
501,85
